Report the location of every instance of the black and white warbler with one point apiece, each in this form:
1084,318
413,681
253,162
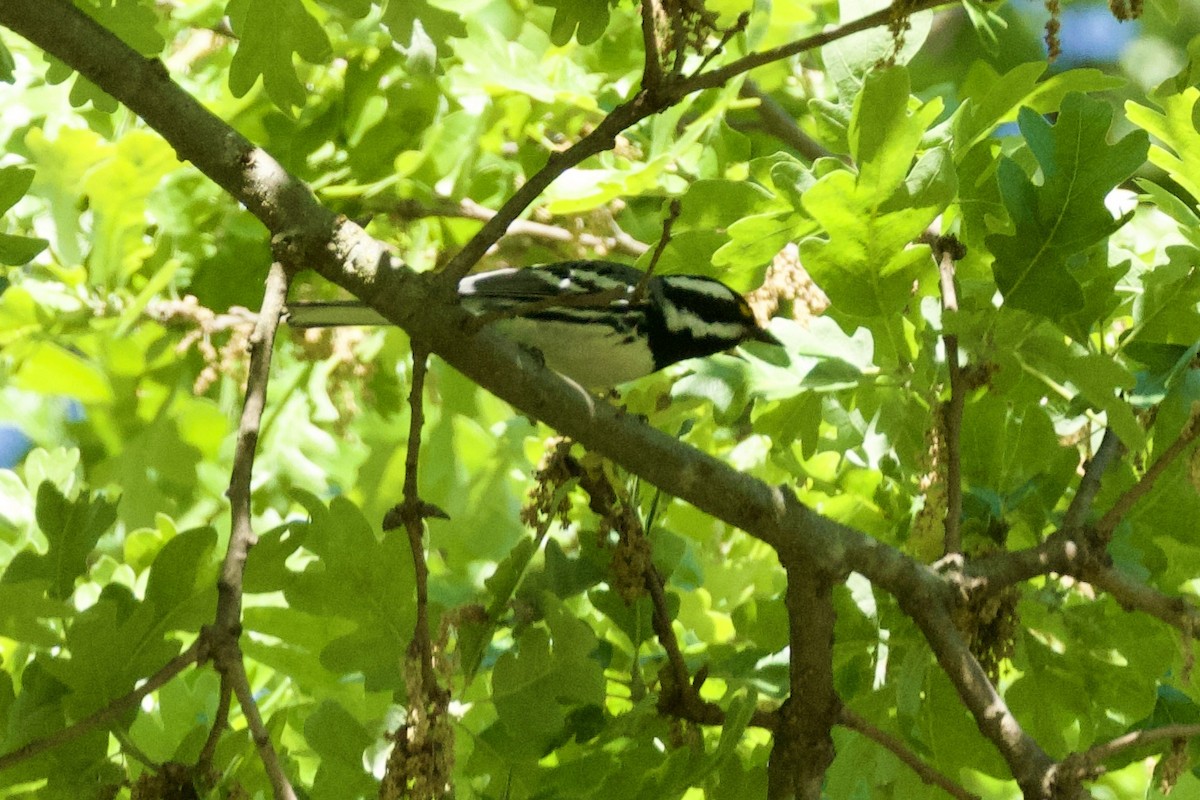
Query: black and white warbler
579,316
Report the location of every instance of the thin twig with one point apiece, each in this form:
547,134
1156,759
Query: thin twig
900,750
946,250
1089,764
426,721
281,787
673,212
1126,501
602,138
226,629
204,764
1109,749
780,124
241,537
130,749
618,241
1132,595
682,698
109,713
652,66
1081,504
679,40
663,629
727,35
1062,554
722,75
413,516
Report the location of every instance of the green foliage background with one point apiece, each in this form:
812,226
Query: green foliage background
1084,315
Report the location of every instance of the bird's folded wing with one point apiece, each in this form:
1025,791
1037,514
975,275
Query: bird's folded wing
329,314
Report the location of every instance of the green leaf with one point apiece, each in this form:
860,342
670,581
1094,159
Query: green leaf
181,587
16,251
269,33
867,266
756,239
691,253
583,19
851,59
50,369
14,183
291,642
132,20
1056,221
362,578
1177,150
340,741
16,510
991,100
1096,376
112,645
118,190
61,466
712,205
72,528
6,64
400,16
176,727
550,672
1167,310
820,358
28,614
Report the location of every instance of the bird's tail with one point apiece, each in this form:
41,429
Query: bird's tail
332,314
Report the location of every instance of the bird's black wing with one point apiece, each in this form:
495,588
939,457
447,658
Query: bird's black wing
536,283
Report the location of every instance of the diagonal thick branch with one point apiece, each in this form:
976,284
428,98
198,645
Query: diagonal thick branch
306,232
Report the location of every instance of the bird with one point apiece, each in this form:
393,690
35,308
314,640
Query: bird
599,323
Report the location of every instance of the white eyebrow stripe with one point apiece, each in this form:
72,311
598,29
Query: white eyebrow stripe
678,321
701,286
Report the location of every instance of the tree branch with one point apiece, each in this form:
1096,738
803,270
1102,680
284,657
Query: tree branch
652,66
779,123
1067,776
1060,554
204,764
242,538
411,513
946,250
618,242
926,773
1085,496
803,748
1125,502
227,628
110,712
1089,764
722,75
236,675
927,603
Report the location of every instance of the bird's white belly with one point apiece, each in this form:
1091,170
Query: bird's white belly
596,357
